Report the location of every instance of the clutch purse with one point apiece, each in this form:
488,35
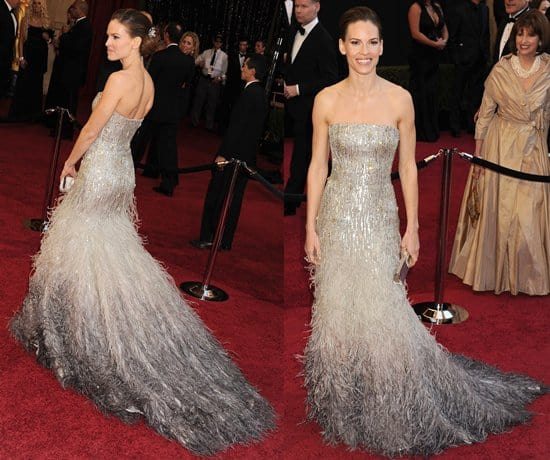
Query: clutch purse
66,184
400,274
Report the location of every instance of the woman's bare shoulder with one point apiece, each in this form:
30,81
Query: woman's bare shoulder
395,92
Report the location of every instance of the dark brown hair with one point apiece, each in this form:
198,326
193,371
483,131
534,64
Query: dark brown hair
358,13
534,21
137,25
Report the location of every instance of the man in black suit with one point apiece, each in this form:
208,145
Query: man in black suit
170,69
514,9
240,142
310,66
469,46
233,83
71,65
8,32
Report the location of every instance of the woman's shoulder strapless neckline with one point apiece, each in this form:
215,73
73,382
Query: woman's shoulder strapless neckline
351,124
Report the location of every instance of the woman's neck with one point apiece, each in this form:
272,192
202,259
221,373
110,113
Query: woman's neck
526,61
130,61
363,85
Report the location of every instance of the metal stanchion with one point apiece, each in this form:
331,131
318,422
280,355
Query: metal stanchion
204,290
440,312
41,224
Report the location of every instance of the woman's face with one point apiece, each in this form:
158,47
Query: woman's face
187,45
544,5
527,42
119,42
36,6
362,46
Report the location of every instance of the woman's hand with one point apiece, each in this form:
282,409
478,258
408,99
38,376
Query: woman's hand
312,247
440,44
68,170
411,243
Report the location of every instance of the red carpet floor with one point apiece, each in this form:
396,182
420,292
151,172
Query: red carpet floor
509,332
40,420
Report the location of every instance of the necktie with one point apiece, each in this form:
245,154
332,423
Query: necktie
301,30
213,58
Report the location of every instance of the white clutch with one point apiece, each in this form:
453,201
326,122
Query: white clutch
66,184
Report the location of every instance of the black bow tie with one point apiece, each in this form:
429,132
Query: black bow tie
12,11
242,55
510,19
301,30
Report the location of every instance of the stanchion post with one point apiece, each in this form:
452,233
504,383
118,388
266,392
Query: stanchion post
203,290
440,312
40,224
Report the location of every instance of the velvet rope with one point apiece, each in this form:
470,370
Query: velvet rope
502,169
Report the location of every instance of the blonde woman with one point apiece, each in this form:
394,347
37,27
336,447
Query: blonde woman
33,63
190,45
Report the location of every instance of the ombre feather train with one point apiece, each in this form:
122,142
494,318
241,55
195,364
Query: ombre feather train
108,320
375,377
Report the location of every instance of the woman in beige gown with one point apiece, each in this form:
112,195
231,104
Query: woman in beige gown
502,242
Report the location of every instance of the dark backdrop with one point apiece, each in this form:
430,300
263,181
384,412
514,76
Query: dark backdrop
254,19
393,15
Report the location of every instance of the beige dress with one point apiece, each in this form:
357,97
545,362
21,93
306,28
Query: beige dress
507,248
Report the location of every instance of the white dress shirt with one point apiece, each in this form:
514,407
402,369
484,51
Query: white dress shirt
289,5
219,66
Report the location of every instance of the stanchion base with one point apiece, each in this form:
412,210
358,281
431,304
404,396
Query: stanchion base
36,225
440,313
200,291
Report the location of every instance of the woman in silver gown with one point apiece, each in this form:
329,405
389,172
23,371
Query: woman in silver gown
375,377
101,312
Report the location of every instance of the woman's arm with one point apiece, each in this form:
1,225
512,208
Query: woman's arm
317,174
414,26
408,174
109,100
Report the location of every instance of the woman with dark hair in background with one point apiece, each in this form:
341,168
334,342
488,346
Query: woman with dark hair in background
429,38
33,63
502,241
102,313
375,377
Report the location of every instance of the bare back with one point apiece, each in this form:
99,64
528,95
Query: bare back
136,93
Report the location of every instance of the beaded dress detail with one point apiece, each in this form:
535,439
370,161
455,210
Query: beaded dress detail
375,377
108,320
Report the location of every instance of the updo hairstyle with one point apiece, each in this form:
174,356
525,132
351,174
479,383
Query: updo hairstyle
137,25
358,13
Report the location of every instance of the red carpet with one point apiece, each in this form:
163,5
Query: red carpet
506,331
39,419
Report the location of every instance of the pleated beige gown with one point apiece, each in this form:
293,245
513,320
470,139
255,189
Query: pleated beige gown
507,248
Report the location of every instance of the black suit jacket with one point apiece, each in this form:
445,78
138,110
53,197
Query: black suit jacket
74,52
314,67
169,69
233,83
245,125
469,33
7,40
500,31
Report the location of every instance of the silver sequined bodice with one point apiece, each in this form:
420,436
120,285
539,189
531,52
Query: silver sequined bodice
358,209
106,179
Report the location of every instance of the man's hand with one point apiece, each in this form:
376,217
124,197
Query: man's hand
290,91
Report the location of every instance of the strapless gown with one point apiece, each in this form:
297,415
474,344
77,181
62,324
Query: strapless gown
375,377
108,320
